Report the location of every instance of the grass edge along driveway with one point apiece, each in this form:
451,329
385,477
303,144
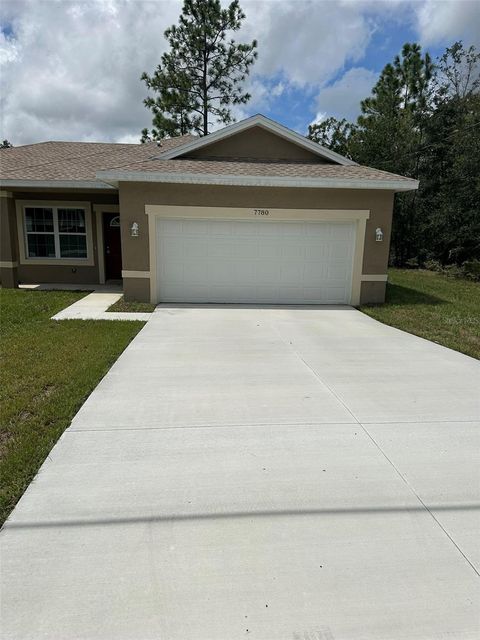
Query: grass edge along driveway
47,370
439,308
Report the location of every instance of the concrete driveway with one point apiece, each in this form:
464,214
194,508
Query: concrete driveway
297,474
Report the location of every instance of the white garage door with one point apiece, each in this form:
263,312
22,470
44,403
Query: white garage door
254,261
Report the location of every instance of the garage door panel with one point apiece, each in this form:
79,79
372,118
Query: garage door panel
293,230
219,272
316,250
195,271
193,247
292,272
314,272
221,228
254,261
195,228
171,249
340,232
222,248
249,249
267,272
172,271
245,273
333,295
294,251
338,271
270,248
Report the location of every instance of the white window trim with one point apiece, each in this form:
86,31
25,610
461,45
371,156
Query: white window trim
358,216
21,205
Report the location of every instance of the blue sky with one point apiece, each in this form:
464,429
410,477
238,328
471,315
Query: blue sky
297,107
70,69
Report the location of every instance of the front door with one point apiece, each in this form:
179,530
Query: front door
113,246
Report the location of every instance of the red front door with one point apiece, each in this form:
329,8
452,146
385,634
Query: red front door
113,246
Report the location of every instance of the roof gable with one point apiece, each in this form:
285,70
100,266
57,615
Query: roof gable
288,142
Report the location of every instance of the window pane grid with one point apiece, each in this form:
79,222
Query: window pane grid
71,220
73,246
56,232
41,245
39,219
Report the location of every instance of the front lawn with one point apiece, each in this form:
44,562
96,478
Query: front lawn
47,370
437,307
131,307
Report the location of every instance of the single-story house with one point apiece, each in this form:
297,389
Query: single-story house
252,213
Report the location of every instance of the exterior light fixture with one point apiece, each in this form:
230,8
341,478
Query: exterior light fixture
134,230
378,234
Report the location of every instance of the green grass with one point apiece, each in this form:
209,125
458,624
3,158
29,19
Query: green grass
440,308
132,307
47,370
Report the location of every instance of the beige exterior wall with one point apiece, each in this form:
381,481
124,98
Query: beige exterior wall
372,292
256,143
136,289
8,241
135,196
74,273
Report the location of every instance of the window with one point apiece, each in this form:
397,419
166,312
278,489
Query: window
56,232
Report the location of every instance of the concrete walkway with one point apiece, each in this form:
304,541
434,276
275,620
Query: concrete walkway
91,307
278,474
94,307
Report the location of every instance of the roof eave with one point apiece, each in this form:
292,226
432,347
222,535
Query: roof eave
56,184
115,177
257,121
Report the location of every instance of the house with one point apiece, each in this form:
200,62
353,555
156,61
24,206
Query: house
252,213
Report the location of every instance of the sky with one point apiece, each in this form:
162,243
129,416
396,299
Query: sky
70,69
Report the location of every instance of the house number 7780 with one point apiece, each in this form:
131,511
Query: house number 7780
261,212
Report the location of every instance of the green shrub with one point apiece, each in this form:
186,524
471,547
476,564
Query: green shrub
471,270
453,271
433,265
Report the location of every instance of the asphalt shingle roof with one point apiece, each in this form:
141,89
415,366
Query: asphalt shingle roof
76,160
79,161
245,167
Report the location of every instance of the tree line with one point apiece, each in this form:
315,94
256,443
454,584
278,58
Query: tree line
422,120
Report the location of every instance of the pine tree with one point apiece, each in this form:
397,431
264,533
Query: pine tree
202,74
333,134
391,134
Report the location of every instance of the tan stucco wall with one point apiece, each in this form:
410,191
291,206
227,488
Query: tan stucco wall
372,292
8,242
75,273
8,230
256,143
136,289
61,274
134,197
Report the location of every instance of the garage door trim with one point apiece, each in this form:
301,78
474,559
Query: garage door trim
359,217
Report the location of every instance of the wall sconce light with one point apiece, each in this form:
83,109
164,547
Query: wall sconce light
134,230
378,235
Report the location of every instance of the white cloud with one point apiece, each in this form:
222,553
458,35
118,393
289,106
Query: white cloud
306,41
444,21
71,69
342,98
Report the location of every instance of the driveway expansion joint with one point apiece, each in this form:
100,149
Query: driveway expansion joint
404,479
